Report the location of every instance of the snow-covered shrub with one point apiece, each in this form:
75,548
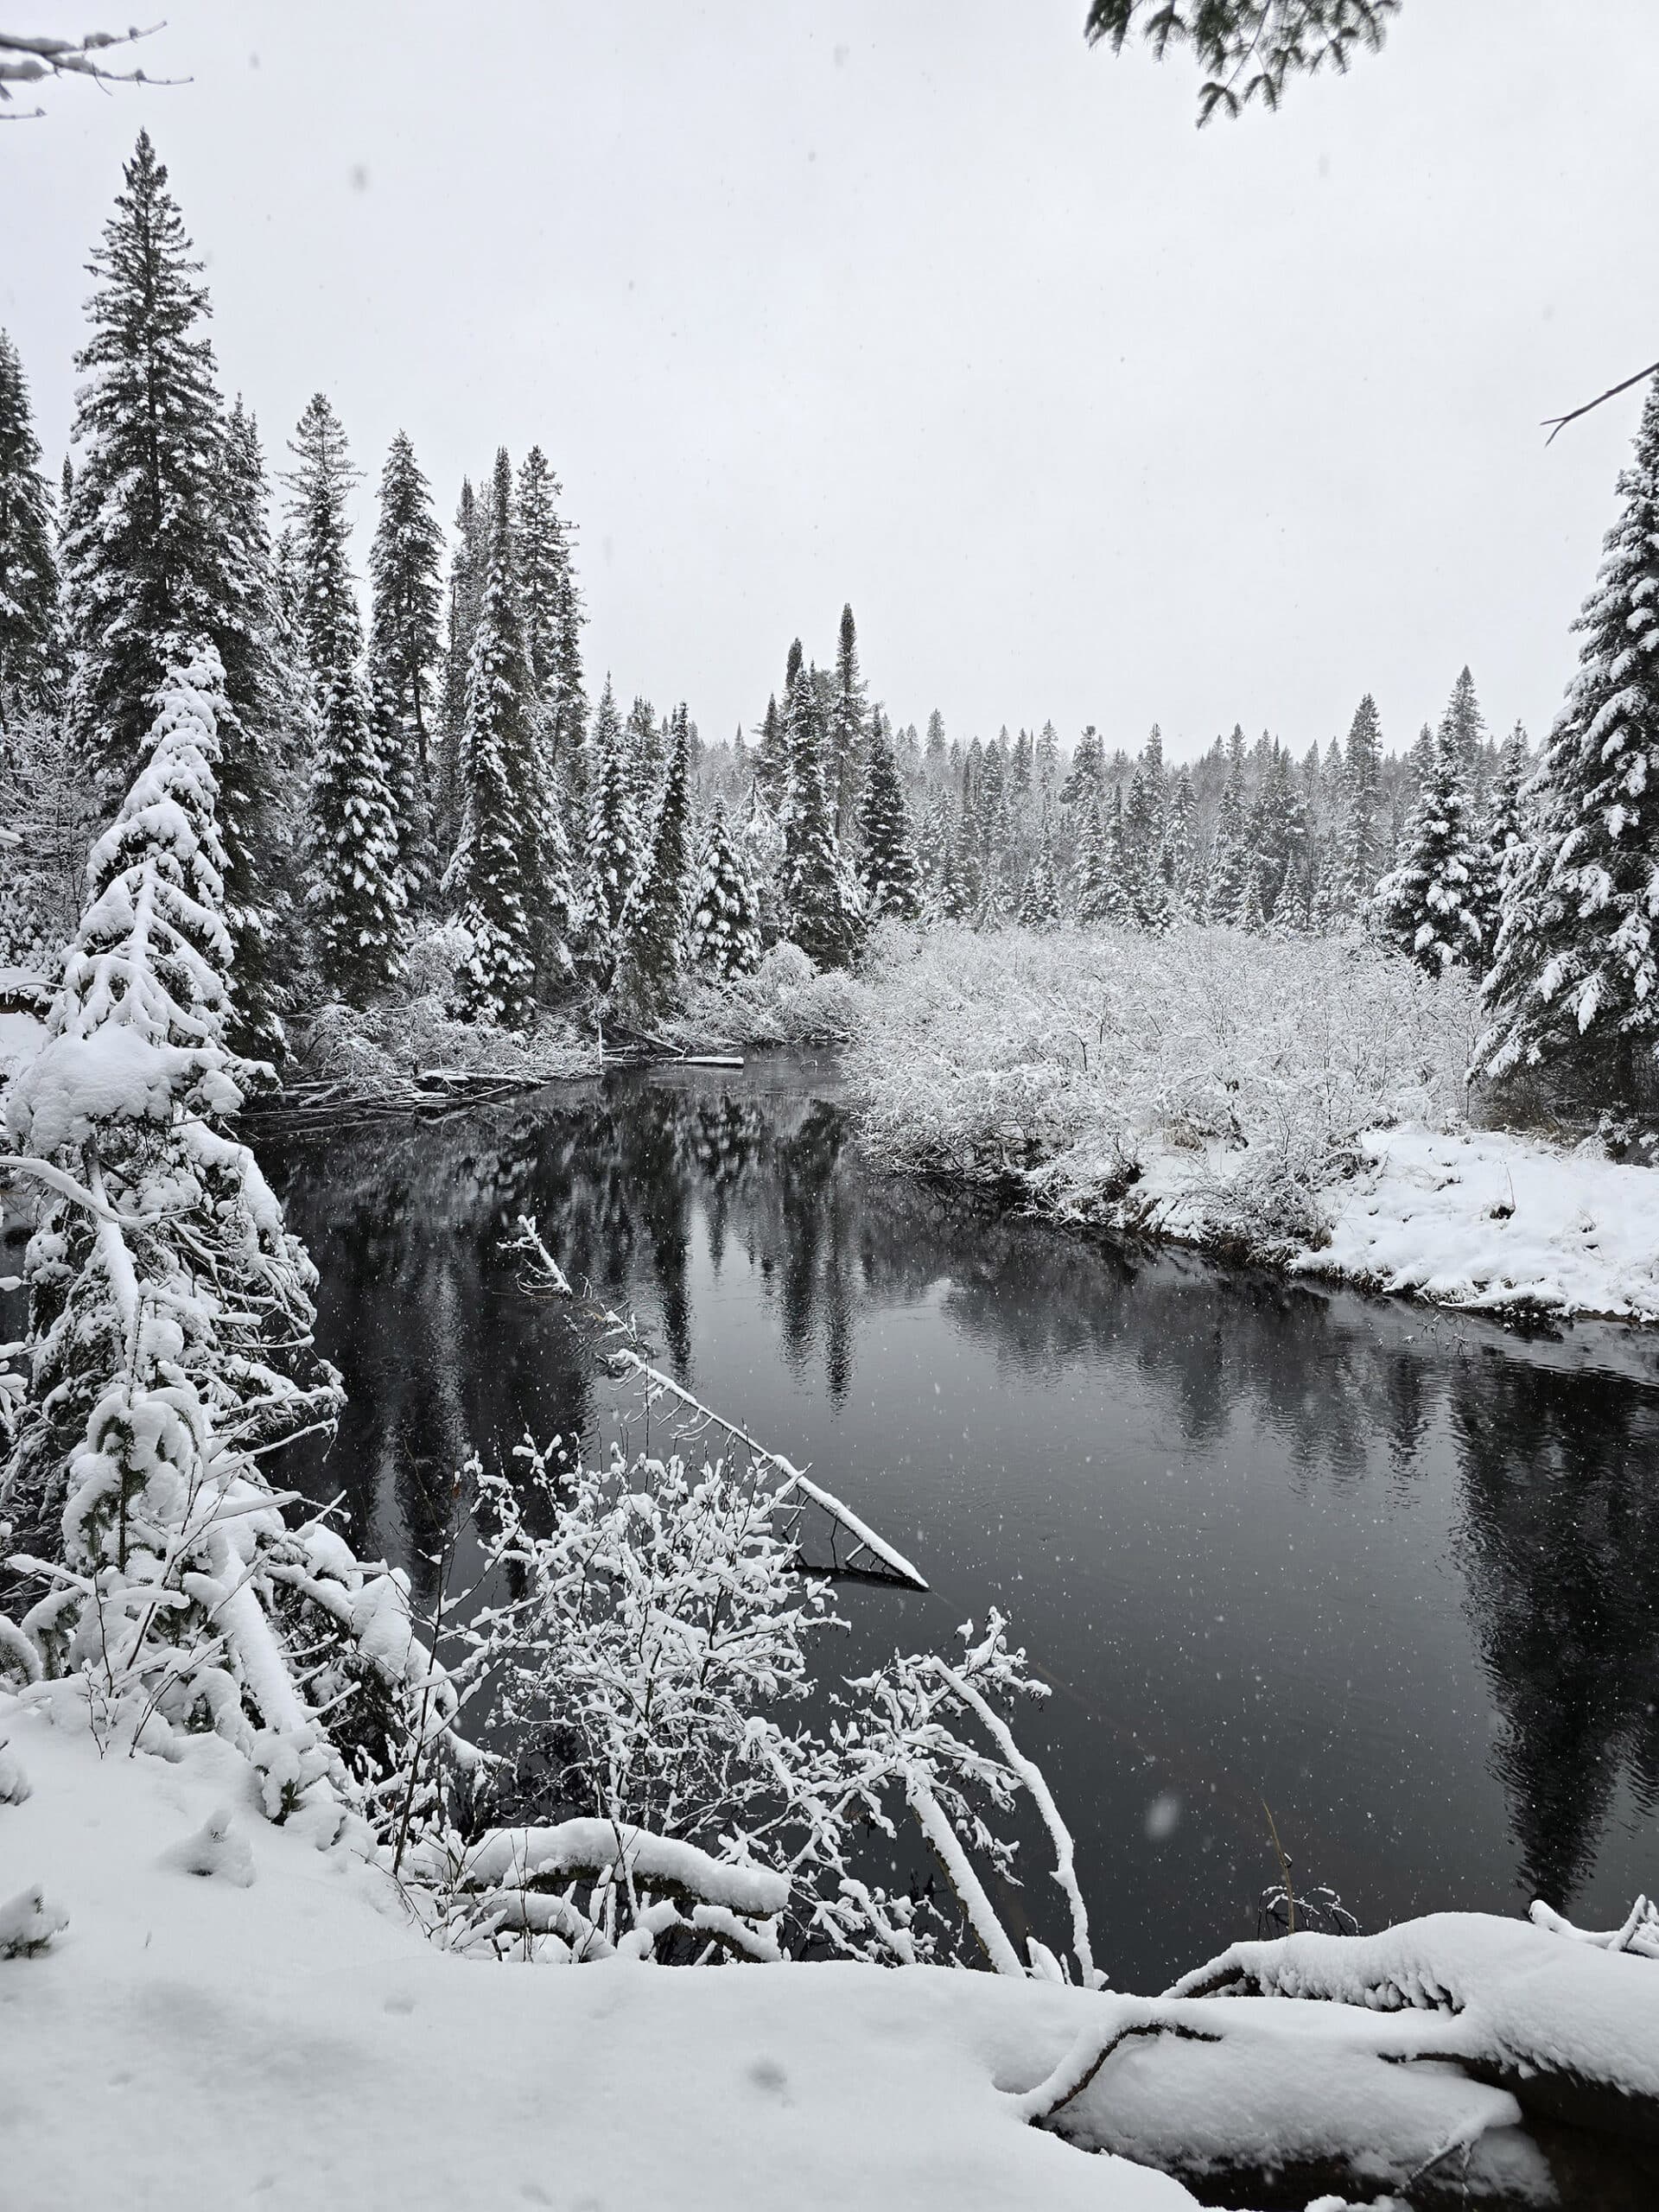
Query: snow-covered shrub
650,1672
1206,1079
785,1001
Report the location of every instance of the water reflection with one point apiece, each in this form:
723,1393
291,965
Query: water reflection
1393,1572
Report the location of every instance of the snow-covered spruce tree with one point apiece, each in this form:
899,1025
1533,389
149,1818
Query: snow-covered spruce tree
551,604
357,888
319,492
170,1321
145,557
1092,889
496,864
772,756
820,921
848,721
1085,775
467,570
28,563
406,605
653,918
887,860
957,894
612,834
1429,906
723,940
1039,897
161,1247
1177,861
1508,825
1574,986
1362,829
1229,867
1143,835
264,750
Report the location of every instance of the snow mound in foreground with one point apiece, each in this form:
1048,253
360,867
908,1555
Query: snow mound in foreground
299,2044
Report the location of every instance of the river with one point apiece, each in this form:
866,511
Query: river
1391,1572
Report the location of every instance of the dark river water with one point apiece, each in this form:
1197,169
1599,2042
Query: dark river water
1394,1572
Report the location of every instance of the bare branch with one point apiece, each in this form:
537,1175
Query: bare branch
1561,421
27,58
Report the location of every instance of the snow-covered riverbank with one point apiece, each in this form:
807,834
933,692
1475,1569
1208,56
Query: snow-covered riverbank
245,2018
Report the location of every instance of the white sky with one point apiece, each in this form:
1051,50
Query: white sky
1091,415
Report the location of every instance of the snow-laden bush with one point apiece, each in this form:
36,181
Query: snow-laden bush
785,1001
1204,1081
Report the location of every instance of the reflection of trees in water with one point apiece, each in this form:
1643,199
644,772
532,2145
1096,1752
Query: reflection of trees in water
441,1349
1559,1547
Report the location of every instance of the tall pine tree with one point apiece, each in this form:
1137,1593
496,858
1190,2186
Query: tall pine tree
820,921
28,564
319,488
846,727
724,940
887,860
145,553
498,867
406,605
1575,983
1430,904
653,919
1363,858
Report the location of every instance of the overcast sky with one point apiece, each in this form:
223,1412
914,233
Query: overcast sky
1091,415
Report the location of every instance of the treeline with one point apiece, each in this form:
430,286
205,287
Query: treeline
439,779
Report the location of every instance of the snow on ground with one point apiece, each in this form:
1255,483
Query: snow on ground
191,2042
1484,1219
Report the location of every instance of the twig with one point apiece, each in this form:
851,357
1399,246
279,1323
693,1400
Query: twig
1561,421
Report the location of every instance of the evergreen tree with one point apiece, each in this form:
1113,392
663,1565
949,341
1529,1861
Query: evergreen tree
145,558
772,757
1040,898
957,893
846,726
1143,835
814,892
406,605
548,600
1507,829
653,919
1429,906
181,1302
357,891
498,864
1229,867
1093,888
29,565
612,833
264,753
468,567
1463,728
1363,859
1575,983
886,863
320,489
724,940
933,753
1176,859
1047,765
647,747
1086,774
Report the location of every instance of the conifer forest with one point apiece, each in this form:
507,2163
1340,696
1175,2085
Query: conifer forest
739,1245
